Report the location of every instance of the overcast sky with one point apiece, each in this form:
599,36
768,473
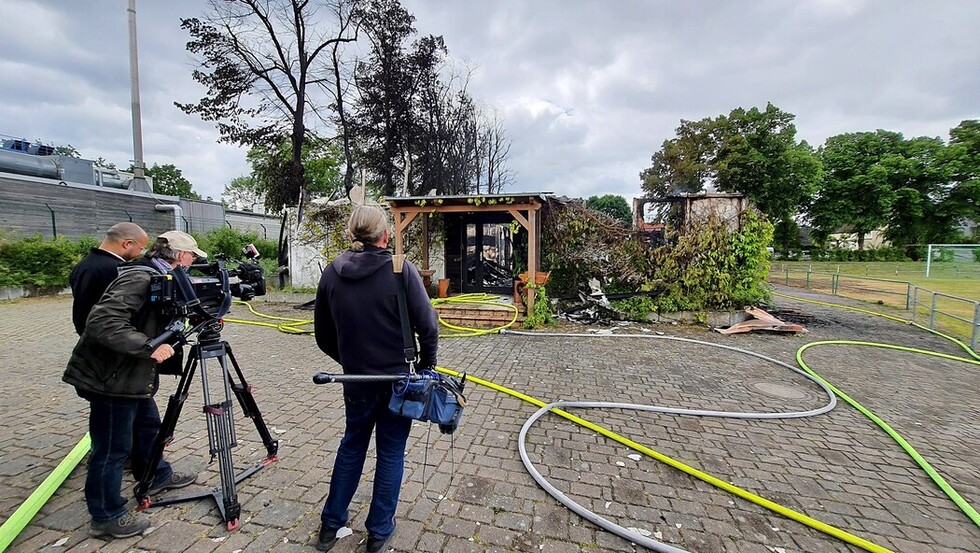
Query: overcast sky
588,90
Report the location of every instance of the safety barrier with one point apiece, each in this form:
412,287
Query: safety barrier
957,315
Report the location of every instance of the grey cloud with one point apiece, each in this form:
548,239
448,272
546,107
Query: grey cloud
589,90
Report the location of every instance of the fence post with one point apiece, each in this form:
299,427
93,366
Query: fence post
787,275
834,283
915,302
128,215
265,233
908,296
808,271
932,312
54,224
976,326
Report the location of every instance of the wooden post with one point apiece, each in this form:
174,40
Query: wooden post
532,256
425,241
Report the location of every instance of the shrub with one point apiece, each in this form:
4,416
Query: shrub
36,262
230,242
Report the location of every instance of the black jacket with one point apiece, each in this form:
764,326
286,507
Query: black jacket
356,318
89,280
112,357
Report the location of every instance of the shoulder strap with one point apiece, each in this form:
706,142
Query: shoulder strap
408,341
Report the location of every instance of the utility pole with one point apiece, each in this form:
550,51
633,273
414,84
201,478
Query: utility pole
139,173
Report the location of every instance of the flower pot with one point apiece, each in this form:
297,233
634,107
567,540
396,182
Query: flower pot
540,278
443,287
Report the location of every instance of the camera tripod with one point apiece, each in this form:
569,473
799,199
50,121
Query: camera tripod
220,424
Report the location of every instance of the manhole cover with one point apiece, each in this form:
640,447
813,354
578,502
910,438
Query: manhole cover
778,390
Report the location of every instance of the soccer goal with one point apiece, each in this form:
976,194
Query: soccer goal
961,253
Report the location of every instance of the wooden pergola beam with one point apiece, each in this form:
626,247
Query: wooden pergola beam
405,214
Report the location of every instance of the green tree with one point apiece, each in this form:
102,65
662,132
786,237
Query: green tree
169,180
67,151
322,161
856,189
242,193
683,164
382,113
919,180
753,152
613,206
103,162
758,156
961,161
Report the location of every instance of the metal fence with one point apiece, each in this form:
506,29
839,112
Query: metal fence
953,314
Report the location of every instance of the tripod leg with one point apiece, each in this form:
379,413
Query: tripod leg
243,391
166,433
222,421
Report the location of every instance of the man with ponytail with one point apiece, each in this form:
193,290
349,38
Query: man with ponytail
356,323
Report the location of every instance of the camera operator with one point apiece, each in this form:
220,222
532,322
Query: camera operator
113,368
89,279
356,322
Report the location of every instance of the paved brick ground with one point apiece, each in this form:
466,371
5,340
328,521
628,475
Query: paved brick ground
838,468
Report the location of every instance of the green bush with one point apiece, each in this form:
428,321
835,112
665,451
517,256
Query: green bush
230,242
36,262
886,253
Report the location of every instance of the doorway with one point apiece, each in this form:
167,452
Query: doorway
488,258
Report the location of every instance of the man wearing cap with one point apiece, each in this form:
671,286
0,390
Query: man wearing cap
115,369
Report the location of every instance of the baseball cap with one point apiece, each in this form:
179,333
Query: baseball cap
182,241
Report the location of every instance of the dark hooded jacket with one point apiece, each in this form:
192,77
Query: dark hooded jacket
356,317
112,357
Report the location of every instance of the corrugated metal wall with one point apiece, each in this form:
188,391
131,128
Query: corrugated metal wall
266,226
39,206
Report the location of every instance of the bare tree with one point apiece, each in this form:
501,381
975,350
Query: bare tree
259,62
494,151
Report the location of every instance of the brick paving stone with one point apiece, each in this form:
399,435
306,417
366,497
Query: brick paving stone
838,467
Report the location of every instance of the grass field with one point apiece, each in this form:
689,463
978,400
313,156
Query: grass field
889,283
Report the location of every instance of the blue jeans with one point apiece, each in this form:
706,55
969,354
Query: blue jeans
119,428
365,412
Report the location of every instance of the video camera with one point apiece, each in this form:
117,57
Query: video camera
205,290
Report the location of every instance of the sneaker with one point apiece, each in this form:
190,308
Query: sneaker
377,545
326,539
129,525
176,480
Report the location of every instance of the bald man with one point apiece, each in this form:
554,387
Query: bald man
93,274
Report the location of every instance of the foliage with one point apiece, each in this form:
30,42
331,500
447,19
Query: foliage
169,180
36,262
578,245
321,161
326,227
753,152
683,164
919,189
758,156
541,313
243,194
612,205
67,151
876,254
636,308
708,266
712,266
230,242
